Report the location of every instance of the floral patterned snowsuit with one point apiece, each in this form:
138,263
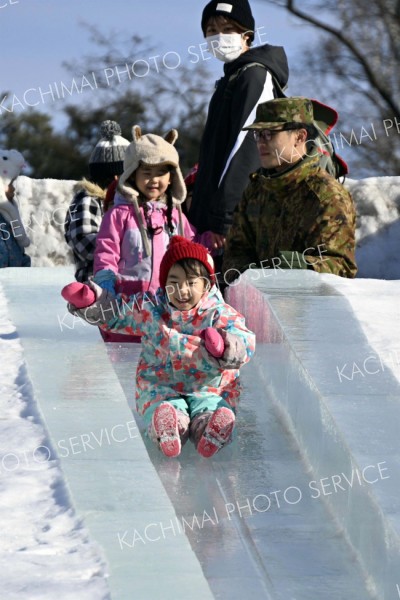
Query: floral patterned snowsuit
174,364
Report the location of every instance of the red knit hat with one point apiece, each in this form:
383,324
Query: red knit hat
180,248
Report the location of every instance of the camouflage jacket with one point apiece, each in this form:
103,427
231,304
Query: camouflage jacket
303,210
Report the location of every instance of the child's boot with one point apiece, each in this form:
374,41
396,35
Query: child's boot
165,429
215,429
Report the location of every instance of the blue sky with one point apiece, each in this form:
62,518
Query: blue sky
40,35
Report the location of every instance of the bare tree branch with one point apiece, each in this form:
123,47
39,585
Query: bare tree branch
348,43
354,66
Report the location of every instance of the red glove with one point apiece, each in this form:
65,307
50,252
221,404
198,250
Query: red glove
214,342
78,294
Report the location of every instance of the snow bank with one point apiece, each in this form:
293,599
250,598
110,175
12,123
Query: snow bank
44,203
377,201
45,550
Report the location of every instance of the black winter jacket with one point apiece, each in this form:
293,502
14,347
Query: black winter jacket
228,155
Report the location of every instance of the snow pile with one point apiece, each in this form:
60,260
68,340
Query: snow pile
377,201
44,204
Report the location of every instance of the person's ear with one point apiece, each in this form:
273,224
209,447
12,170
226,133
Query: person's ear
301,136
246,36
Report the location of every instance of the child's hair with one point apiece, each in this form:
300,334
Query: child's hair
170,205
194,268
221,20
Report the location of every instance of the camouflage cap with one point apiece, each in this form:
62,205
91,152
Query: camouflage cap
282,111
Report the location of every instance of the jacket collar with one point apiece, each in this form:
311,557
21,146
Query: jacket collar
294,174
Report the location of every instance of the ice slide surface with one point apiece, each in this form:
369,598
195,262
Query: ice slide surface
251,522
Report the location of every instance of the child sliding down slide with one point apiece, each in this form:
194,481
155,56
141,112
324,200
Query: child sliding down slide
193,344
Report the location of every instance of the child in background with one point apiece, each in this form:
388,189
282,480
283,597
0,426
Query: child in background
13,238
135,233
92,198
193,344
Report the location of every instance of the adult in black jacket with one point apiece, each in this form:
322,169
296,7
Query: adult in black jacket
227,154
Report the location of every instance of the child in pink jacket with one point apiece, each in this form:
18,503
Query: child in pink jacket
193,345
135,233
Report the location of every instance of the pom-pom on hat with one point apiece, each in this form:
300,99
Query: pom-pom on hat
237,10
151,150
107,158
180,248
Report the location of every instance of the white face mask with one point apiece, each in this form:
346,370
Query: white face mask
225,46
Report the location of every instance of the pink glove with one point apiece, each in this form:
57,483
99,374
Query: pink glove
213,342
78,294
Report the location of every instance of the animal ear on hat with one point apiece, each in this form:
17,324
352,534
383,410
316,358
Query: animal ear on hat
171,136
136,133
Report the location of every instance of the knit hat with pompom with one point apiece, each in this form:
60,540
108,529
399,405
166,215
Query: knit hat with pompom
107,158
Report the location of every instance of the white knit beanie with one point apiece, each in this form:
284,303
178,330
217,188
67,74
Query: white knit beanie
153,150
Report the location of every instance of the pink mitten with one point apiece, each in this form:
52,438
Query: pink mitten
214,342
78,294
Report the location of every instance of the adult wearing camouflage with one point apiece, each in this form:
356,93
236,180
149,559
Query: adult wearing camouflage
293,214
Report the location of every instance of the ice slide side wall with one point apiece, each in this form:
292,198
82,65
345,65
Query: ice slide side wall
295,355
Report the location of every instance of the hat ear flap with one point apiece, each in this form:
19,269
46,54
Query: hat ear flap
136,133
171,136
178,188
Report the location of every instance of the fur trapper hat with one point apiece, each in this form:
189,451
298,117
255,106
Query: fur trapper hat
151,149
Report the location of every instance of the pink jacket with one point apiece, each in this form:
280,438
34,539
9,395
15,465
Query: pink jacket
120,246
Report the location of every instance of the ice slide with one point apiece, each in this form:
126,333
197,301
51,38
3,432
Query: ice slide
304,505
